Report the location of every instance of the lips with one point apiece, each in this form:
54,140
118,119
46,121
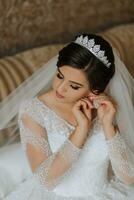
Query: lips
59,95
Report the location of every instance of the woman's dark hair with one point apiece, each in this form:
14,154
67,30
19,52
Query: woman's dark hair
79,57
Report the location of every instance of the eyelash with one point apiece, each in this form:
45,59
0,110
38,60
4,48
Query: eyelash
75,88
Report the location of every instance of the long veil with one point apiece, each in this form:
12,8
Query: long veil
39,81
120,87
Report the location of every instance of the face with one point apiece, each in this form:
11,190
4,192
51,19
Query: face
71,83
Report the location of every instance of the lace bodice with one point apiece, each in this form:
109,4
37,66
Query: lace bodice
60,165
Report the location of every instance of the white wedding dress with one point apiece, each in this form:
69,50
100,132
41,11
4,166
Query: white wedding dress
85,171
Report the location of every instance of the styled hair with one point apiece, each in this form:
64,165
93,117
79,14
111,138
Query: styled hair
79,57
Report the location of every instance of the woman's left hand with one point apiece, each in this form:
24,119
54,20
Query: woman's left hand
107,108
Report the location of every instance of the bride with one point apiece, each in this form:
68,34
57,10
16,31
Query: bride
80,128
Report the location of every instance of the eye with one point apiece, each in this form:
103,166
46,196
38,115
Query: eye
58,75
75,87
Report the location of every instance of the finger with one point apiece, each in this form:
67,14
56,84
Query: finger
106,103
89,105
77,108
78,104
108,99
103,96
85,104
88,102
86,110
98,97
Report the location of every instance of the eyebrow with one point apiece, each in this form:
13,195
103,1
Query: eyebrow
69,80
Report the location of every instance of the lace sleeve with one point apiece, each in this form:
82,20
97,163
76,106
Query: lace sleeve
122,159
49,168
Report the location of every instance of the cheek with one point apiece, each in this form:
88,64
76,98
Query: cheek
55,82
77,95
82,94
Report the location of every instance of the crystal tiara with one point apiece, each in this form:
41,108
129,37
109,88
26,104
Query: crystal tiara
95,49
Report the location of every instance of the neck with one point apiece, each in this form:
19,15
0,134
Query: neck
65,105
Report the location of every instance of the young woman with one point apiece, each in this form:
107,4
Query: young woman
72,134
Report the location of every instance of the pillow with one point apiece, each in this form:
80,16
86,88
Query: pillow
14,167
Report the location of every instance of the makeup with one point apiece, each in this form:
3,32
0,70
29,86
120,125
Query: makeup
58,95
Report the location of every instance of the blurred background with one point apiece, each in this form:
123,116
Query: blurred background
26,24
32,31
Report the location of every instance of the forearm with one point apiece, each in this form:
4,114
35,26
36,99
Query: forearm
78,137
120,155
59,163
110,131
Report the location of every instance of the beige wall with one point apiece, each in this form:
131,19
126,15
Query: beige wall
29,23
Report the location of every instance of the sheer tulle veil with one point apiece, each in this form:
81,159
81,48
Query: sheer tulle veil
120,87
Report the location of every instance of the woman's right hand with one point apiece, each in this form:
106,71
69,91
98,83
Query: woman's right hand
82,113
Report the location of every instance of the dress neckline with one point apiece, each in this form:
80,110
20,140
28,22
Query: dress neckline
56,114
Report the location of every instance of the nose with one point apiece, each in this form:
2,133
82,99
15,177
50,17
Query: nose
62,88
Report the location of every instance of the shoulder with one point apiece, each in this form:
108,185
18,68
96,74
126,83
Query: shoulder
28,105
46,98
32,108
